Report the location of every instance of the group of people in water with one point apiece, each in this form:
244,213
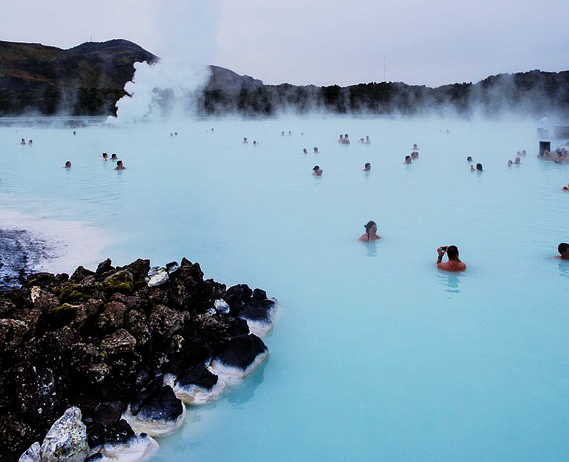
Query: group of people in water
68,165
114,158
345,139
414,155
559,156
454,263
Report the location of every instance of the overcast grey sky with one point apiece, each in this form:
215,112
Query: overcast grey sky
323,42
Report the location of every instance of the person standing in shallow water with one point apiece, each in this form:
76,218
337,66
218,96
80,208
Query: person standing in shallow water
453,263
371,232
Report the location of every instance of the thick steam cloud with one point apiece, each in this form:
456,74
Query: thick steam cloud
186,32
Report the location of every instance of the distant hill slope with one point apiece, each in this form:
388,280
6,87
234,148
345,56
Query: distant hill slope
89,79
84,80
90,65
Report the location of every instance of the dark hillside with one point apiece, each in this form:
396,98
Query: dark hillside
89,79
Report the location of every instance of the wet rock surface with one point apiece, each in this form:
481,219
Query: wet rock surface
100,342
20,252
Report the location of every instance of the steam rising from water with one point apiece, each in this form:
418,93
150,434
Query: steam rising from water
186,31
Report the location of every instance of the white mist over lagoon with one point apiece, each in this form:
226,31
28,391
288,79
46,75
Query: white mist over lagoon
375,355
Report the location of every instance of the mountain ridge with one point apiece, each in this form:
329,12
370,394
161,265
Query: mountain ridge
89,79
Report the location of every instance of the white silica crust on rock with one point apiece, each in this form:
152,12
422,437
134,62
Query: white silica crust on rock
221,306
32,454
155,428
66,440
233,374
194,394
262,328
157,276
137,449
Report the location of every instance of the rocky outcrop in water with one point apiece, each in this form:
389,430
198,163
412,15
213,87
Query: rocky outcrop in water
95,347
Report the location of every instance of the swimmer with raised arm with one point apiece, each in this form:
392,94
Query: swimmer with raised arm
453,263
371,232
563,250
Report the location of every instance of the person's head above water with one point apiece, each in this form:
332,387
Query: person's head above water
407,159
563,250
452,252
317,170
369,225
479,167
367,166
469,159
371,232
67,164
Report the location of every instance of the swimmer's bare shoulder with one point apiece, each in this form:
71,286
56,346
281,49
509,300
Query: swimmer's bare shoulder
451,266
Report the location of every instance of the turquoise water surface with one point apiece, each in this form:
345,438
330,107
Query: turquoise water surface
376,354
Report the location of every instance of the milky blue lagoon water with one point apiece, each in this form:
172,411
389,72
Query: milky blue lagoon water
376,354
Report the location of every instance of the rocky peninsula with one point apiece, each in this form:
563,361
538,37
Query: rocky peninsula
96,364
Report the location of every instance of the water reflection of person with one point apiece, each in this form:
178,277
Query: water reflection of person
451,282
371,249
371,232
564,268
